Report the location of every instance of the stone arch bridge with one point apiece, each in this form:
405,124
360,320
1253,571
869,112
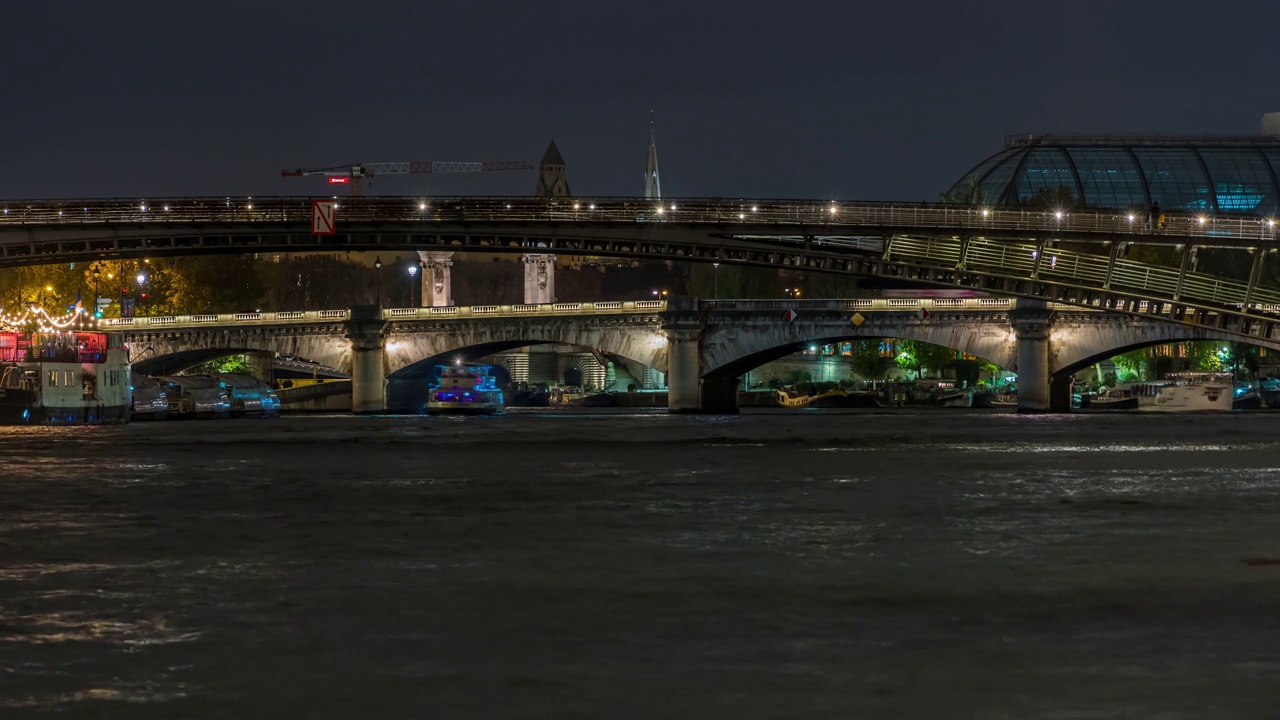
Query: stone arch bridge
703,348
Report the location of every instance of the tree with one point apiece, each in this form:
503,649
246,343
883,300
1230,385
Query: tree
916,355
1131,366
866,359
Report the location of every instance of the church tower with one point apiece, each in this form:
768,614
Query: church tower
551,178
652,188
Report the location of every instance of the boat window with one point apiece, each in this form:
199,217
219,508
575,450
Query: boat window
53,378
68,378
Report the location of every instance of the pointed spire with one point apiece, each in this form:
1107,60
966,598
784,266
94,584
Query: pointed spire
652,188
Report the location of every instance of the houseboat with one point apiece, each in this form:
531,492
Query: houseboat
51,376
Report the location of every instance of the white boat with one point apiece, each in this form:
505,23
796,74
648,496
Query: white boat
1192,392
63,377
150,398
465,390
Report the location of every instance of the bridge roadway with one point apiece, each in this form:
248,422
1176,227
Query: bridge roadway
1004,251
704,348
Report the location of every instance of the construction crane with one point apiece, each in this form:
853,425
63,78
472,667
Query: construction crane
354,175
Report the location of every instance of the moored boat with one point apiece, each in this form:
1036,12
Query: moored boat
465,390
56,376
1194,391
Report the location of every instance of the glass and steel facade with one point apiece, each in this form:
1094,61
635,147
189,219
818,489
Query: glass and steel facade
1234,175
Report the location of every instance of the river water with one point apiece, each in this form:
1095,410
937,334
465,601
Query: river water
825,564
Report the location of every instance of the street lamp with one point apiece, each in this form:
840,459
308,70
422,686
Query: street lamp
413,275
377,270
716,280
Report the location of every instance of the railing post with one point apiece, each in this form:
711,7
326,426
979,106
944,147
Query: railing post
1182,271
1111,264
1259,257
1035,269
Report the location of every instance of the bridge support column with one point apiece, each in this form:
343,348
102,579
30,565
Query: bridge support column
367,332
539,279
684,356
261,365
1060,393
720,395
1031,322
437,278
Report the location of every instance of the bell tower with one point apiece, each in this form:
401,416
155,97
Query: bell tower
551,178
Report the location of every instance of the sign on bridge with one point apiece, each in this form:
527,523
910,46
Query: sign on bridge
322,217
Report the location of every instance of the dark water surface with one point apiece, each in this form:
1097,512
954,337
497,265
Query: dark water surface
819,564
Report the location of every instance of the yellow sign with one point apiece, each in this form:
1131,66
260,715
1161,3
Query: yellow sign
857,319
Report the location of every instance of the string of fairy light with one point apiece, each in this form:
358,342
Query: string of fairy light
44,322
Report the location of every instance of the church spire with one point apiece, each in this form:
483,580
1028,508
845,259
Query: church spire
652,189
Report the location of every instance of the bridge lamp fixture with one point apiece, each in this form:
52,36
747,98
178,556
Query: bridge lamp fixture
742,216
577,206
673,207
413,270
1270,223
834,209
142,278
143,208
659,209
1130,217
1058,214
422,206
985,212
1200,219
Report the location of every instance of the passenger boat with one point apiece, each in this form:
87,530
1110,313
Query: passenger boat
53,376
197,396
465,390
1194,391
150,398
1120,397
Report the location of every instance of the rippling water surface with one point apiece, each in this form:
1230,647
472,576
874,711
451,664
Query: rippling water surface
812,564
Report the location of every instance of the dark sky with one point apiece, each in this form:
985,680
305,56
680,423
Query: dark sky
847,100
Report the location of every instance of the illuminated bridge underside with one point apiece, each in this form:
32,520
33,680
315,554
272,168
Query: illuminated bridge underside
1001,251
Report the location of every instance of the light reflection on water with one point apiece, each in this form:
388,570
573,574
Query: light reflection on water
605,564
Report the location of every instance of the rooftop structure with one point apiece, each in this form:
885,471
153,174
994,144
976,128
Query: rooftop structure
1194,173
652,188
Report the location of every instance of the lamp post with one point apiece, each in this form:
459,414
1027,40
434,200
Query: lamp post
413,275
142,294
377,274
716,280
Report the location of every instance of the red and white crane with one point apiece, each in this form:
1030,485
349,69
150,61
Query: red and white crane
354,175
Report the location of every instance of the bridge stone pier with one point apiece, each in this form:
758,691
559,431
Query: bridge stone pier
704,348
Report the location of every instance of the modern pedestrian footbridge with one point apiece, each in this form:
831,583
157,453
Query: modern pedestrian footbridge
1015,252
703,347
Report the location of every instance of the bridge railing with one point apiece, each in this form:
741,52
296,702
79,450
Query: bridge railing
863,304
302,317
823,217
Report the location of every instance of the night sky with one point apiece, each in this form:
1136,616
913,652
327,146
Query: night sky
844,100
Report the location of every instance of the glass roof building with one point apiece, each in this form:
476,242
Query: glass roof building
1231,174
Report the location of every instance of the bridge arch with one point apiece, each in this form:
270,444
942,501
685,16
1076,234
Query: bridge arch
1076,345
410,353
728,351
167,352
